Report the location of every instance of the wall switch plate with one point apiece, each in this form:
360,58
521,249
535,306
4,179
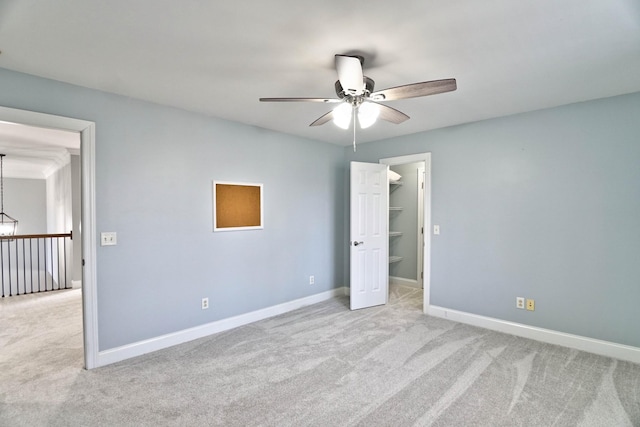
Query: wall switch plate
312,280
520,303
531,305
108,238
205,303
436,229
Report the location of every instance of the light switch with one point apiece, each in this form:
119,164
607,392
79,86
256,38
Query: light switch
108,238
436,229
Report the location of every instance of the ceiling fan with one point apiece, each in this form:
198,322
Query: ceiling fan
357,97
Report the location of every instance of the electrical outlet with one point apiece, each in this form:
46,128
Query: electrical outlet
436,230
520,303
531,305
312,280
205,303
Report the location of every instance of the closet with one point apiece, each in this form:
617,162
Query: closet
405,268
394,211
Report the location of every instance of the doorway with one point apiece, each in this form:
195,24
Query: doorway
87,217
410,222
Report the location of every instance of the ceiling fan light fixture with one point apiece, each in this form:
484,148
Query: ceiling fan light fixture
342,115
367,114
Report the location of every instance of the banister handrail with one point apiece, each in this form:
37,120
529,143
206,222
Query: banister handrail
36,236
32,263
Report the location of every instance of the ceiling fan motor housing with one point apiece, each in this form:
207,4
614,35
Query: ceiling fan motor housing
368,87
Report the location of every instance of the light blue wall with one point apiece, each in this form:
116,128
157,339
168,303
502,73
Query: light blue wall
154,172
26,201
544,205
76,215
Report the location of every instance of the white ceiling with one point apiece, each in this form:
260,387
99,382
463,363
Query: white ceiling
33,152
218,58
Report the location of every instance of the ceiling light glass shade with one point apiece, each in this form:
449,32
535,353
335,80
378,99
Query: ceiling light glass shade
8,225
342,115
367,114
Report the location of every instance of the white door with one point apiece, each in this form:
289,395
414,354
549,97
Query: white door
369,239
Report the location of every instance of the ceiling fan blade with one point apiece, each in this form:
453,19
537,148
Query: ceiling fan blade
350,75
415,90
325,100
323,119
390,114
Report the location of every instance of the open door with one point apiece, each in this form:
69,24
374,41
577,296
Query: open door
369,239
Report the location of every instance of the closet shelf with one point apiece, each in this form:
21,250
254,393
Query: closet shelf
395,208
393,185
393,259
395,233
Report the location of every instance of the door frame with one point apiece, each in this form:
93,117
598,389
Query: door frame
426,256
420,244
87,132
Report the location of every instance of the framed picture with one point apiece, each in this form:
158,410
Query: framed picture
237,206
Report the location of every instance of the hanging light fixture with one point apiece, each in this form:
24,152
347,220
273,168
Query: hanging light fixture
8,225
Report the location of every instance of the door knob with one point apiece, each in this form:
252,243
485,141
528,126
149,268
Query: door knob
358,243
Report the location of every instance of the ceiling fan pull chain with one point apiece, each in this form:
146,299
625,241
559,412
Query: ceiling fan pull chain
354,130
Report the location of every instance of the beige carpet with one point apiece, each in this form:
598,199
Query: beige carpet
322,365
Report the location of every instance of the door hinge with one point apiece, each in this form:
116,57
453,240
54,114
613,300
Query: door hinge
423,185
422,230
422,275
83,262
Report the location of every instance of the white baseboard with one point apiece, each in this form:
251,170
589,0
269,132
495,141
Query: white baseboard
139,348
591,345
75,284
404,282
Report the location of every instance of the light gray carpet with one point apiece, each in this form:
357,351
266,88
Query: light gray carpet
322,365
